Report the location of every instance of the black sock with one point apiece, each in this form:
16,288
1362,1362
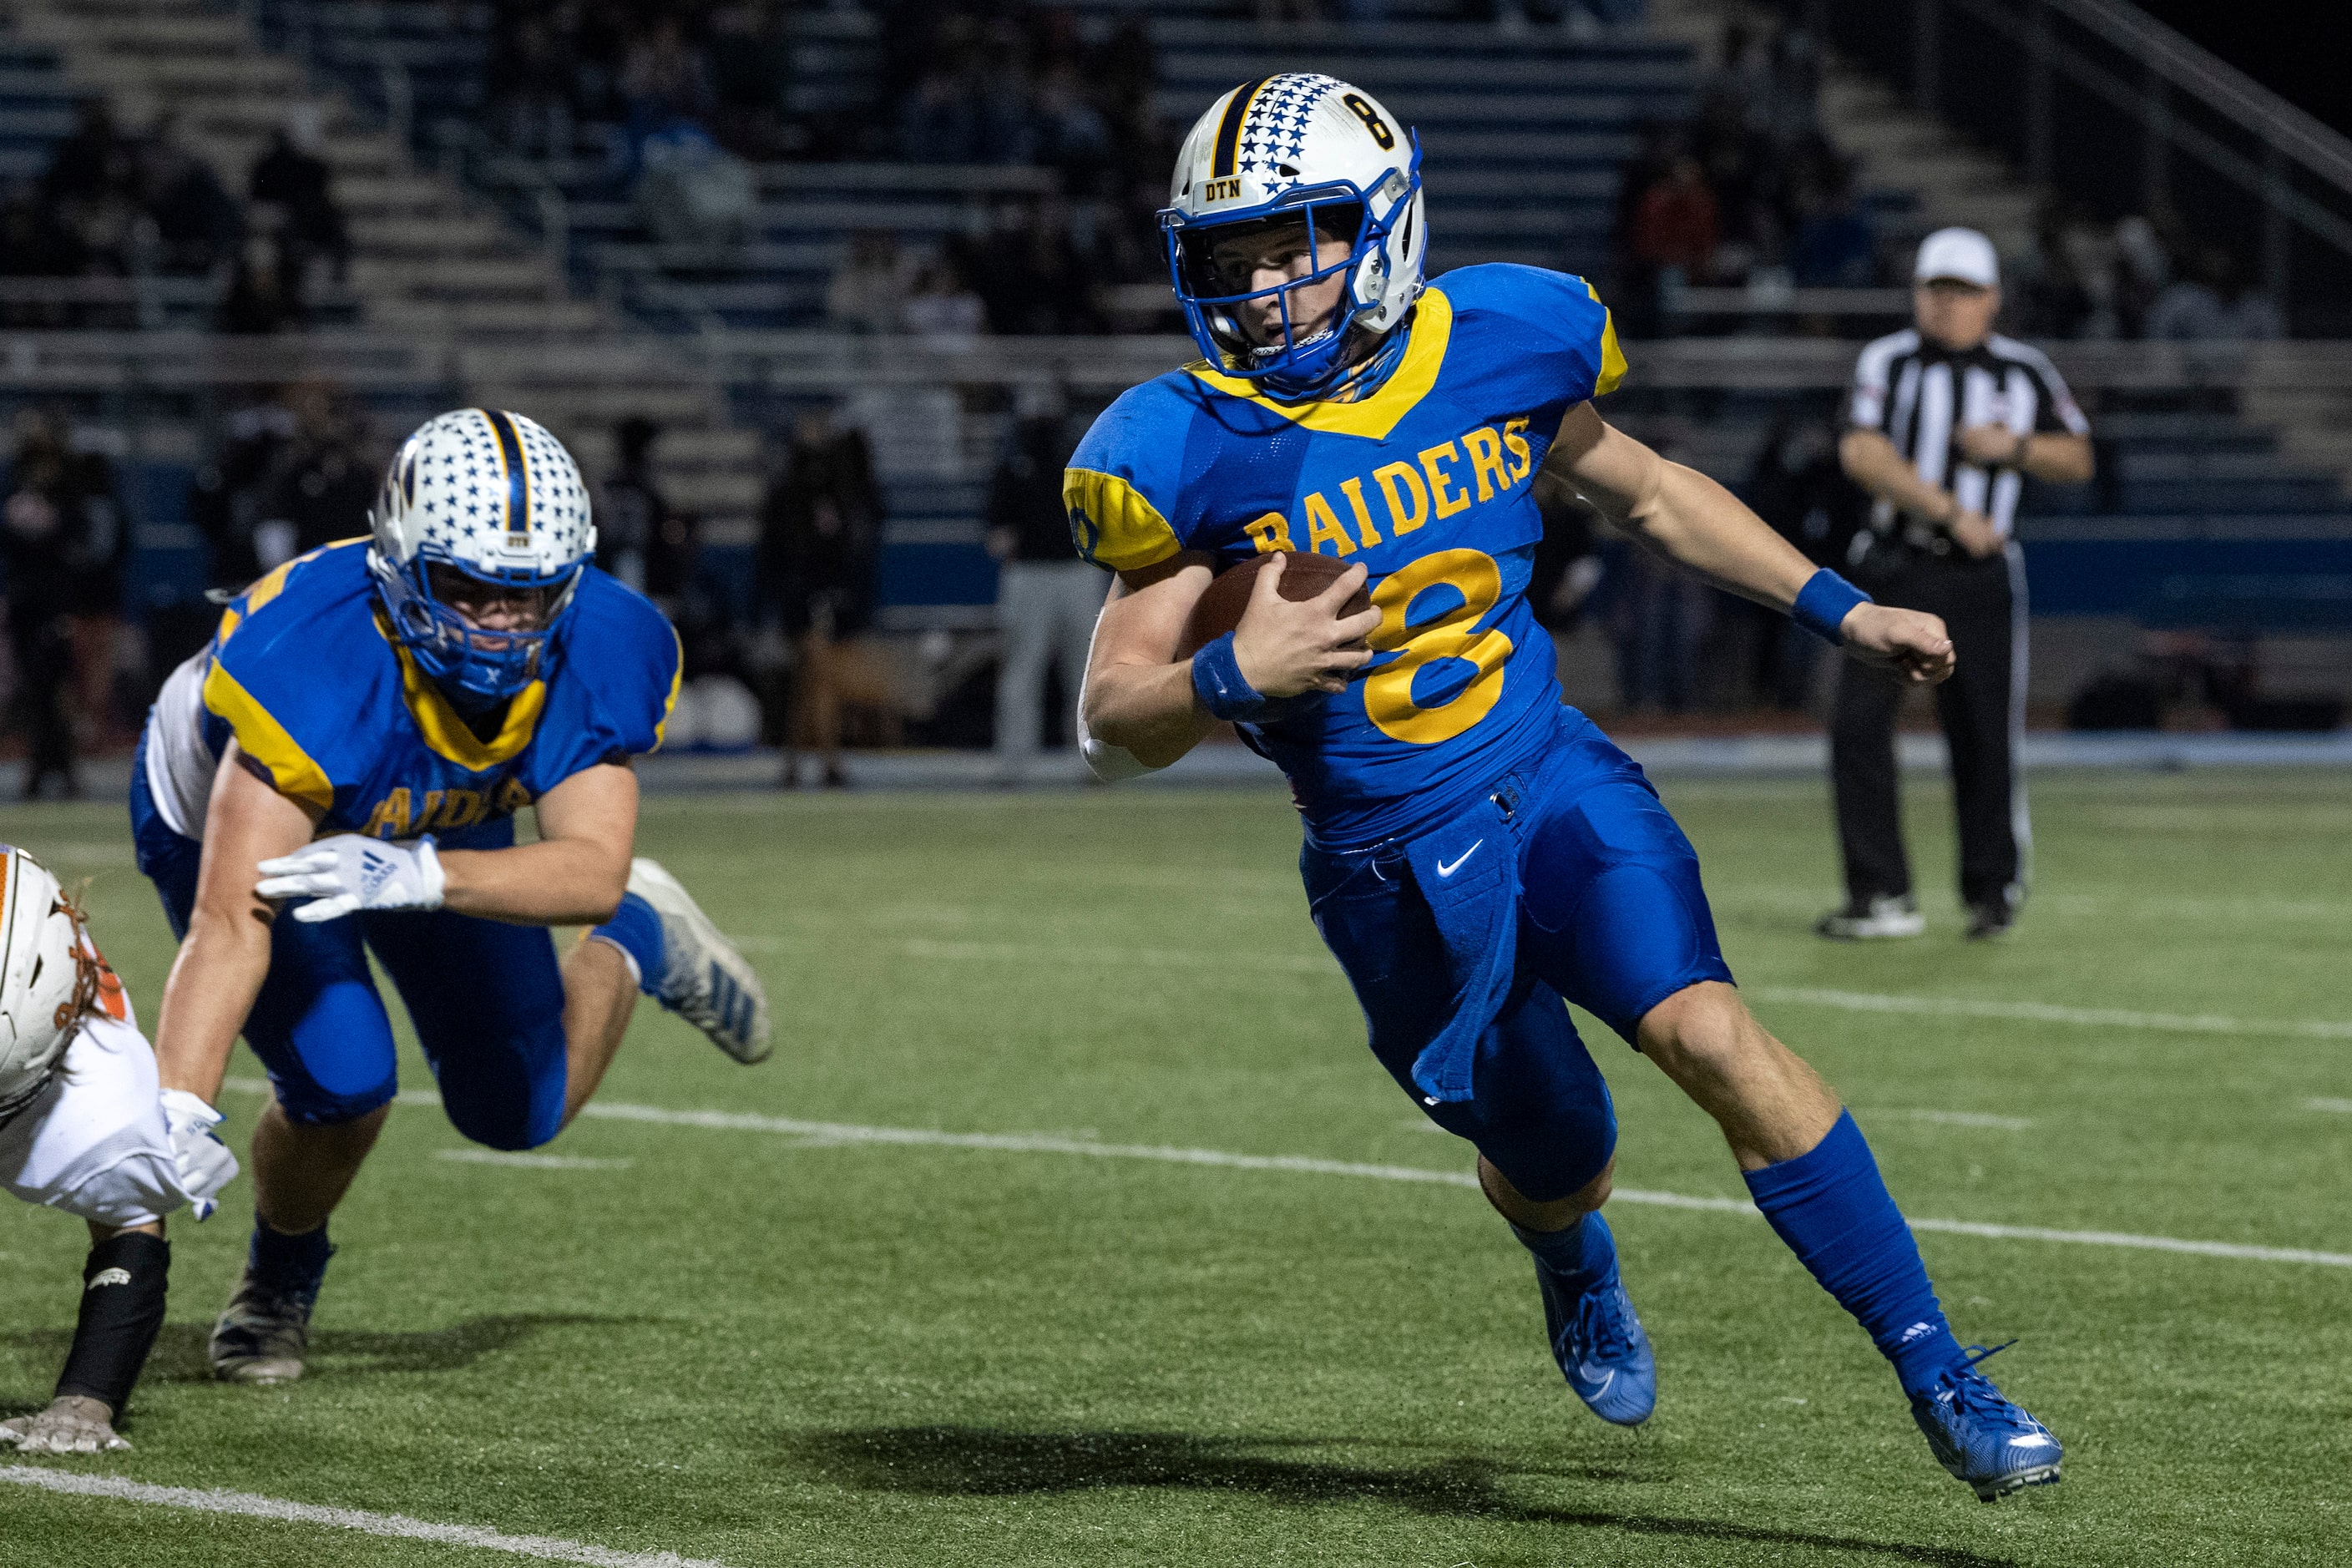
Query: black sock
290,1265
122,1286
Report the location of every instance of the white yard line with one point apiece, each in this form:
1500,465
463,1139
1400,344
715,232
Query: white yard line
1797,996
2050,1013
529,1162
1953,1119
821,1134
2341,1107
249,1505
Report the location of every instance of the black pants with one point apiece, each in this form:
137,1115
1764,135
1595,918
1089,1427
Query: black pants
1982,709
43,647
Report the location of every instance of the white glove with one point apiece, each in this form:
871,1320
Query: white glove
204,1162
352,871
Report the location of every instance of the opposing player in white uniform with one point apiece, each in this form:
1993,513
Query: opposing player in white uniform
85,1127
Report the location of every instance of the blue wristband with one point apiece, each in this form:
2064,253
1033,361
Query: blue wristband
1823,603
1224,691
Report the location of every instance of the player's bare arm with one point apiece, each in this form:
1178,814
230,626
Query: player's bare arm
1695,522
225,955
1139,697
575,874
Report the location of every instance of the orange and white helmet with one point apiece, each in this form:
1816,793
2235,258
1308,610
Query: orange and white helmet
47,978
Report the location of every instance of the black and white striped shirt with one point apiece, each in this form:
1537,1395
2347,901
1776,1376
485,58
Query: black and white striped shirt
1916,394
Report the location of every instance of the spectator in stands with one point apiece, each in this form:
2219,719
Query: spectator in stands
534,69
264,293
868,291
226,502
2142,269
197,223
40,532
1833,246
1674,225
1073,137
1798,486
2213,302
820,533
663,80
943,311
631,514
319,484
751,63
91,192
33,243
93,161
1046,598
296,186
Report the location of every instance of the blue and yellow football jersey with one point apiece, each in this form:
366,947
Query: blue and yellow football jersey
1429,481
304,672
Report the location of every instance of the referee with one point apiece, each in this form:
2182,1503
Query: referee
1947,420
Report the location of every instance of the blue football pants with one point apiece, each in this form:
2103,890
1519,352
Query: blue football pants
1611,917
486,999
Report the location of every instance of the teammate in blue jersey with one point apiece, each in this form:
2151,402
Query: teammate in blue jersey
1475,851
337,774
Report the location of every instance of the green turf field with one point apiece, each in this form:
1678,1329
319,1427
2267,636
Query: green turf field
757,1346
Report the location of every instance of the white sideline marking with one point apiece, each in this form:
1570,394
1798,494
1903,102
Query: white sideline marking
1802,996
829,1133
2050,1013
1957,1118
547,1548
529,1162
2342,1107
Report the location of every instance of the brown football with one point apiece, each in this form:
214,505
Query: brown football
1304,575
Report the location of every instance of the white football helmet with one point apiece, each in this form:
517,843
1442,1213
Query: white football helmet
1297,148
47,981
494,496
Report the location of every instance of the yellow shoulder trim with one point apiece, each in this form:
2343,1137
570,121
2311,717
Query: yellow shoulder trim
1117,526
1375,416
1612,358
446,732
265,740
670,703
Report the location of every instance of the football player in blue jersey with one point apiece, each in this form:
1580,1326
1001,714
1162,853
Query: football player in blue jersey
1475,850
338,772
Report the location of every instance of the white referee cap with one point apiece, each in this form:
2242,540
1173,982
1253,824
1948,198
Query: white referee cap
1962,254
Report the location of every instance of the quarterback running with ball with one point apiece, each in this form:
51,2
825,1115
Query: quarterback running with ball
337,774
1475,851
86,1127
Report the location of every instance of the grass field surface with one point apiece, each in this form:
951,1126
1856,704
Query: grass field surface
810,1330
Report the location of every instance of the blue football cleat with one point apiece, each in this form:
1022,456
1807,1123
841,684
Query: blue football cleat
1601,1349
1979,1436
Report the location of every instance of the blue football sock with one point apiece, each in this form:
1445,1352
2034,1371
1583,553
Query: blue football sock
1833,1209
636,930
291,1265
1582,1256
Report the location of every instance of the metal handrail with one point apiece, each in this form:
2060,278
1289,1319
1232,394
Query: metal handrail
2195,70
2323,152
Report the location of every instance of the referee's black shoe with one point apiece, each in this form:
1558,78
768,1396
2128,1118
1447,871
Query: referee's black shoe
1990,919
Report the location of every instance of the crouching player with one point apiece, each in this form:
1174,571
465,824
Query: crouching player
84,1128
354,746
1475,851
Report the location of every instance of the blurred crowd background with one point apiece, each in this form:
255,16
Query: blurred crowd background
676,125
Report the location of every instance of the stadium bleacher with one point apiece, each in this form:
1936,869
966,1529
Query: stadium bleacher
538,280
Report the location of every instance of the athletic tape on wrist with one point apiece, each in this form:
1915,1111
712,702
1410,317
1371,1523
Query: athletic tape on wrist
1823,603
1224,691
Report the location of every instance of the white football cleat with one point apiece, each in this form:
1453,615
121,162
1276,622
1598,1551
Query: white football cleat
706,980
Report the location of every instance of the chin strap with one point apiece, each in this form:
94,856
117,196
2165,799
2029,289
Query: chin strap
1353,379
